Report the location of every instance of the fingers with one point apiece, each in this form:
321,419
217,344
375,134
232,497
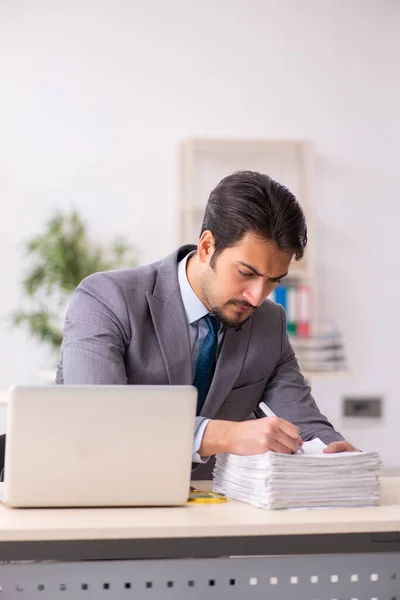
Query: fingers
341,446
282,436
289,429
332,447
291,446
277,446
288,435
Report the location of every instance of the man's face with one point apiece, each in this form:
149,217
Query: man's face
242,278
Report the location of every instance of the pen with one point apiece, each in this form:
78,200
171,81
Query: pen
269,413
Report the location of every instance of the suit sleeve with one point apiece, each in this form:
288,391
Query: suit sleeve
288,396
96,334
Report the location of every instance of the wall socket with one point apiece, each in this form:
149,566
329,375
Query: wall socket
369,407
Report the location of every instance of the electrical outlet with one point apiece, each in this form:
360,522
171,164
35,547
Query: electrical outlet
362,407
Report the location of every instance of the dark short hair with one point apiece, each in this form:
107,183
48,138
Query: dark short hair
251,202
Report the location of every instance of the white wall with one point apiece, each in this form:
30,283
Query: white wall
96,94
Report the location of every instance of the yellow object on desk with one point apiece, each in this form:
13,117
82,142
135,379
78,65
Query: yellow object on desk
197,497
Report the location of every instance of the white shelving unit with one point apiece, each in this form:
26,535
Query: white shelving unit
205,161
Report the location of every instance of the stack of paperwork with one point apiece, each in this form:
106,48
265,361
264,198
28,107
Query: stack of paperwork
303,480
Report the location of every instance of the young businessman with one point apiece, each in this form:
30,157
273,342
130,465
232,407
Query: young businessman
201,316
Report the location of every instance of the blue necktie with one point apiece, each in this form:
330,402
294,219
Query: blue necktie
206,360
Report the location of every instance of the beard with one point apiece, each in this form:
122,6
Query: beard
218,309
219,312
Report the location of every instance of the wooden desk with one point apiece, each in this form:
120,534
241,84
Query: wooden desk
231,519
211,535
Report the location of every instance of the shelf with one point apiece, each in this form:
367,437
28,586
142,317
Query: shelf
204,162
325,374
242,145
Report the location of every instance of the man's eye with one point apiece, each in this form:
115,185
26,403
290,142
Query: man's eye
244,274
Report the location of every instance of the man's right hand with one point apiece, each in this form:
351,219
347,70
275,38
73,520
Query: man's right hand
251,437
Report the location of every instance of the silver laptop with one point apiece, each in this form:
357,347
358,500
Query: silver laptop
99,445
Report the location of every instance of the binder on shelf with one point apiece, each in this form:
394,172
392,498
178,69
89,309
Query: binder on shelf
296,301
281,296
291,310
303,306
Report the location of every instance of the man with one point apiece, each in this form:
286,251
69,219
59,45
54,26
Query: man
201,316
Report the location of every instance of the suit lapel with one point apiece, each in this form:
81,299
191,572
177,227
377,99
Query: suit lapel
172,334
169,319
229,365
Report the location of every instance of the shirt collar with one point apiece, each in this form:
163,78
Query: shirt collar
194,308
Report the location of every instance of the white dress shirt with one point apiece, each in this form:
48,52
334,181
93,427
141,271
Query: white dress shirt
198,330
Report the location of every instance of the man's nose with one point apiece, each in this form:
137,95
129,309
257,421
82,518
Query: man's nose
256,293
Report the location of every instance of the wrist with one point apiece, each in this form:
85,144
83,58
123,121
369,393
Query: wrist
218,437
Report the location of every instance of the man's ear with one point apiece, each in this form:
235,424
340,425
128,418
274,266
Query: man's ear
206,246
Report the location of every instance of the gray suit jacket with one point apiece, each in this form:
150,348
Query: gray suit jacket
129,327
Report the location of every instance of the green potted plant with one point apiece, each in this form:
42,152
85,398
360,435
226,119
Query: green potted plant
59,258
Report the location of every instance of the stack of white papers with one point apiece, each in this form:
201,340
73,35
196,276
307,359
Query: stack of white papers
308,480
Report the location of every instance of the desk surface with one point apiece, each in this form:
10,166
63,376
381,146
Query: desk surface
207,520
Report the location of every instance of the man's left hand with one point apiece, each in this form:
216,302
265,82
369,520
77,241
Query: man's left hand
339,447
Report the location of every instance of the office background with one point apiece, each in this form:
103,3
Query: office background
97,95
